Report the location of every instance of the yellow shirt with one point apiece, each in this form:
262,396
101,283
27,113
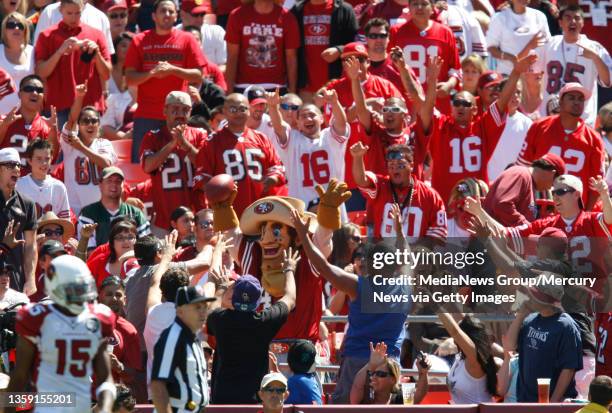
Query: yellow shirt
593,408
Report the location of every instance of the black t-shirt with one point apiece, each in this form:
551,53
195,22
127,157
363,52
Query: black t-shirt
23,211
241,356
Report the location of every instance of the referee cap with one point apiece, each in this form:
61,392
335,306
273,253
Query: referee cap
191,295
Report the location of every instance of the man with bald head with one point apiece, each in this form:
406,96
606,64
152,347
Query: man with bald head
461,144
245,154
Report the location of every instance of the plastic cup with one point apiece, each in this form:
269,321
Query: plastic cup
543,390
408,390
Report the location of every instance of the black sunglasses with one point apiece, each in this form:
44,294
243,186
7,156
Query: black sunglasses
374,36
381,374
563,191
32,89
277,390
11,165
462,103
89,121
287,106
15,25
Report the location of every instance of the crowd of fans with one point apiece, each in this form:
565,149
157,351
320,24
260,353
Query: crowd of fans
349,128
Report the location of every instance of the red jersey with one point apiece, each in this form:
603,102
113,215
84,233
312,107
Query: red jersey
126,345
20,134
71,70
423,216
379,140
588,237
387,70
144,192
248,159
226,6
147,49
373,87
263,39
582,150
317,27
388,10
457,152
303,321
174,178
603,333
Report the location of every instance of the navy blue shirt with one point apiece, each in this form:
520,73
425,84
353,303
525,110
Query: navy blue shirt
547,345
303,389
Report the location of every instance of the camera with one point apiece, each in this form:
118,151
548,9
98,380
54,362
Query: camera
8,337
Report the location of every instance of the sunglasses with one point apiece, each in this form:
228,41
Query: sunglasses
11,165
277,390
236,109
462,103
53,233
374,36
392,109
496,87
356,238
396,156
205,224
117,15
15,25
89,121
287,106
32,89
563,191
381,374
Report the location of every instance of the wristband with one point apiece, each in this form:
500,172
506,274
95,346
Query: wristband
288,269
107,386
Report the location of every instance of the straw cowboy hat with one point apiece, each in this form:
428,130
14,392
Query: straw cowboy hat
49,217
273,208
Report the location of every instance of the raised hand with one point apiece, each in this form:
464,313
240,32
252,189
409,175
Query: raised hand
290,259
478,227
336,194
523,65
11,117
472,205
537,40
10,235
378,355
169,247
599,185
330,96
219,276
81,90
396,215
397,57
87,230
52,121
434,66
301,226
273,98
358,150
352,68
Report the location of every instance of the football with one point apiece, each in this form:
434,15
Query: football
219,188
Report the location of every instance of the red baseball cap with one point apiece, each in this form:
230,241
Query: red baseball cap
195,6
354,49
489,78
111,5
555,161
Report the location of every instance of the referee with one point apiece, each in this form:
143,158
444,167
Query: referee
178,378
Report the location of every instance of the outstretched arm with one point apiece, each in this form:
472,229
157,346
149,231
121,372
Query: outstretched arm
358,151
276,118
426,111
520,67
351,68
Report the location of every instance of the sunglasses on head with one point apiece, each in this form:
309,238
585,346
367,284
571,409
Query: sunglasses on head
287,106
392,109
394,156
374,36
89,121
277,390
462,103
32,89
15,25
53,232
563,191
117,15
381,374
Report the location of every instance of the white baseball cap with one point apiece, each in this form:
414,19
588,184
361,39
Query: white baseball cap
272,377
569,180
9,155
574,87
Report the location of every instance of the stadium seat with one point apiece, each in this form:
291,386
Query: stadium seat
123,148
432,408
529,408
437,394
133,172
241,409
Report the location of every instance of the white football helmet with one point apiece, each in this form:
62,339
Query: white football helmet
69,283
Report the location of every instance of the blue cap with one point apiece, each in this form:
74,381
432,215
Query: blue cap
247,292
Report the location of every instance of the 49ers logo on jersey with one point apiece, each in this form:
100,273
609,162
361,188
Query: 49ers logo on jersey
264,208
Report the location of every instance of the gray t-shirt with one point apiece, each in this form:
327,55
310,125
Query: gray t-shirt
136,291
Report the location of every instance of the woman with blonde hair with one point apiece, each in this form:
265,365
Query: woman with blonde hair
472,67
16,55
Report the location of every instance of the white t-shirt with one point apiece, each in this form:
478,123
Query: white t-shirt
17,72
509,145
312,162
159,318
464,388
213,43
82,182
50,196
562,62
467,31
511,32
90,16
116,105
467,5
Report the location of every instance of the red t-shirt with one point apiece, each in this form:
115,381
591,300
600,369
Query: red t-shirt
424,216
582,150
511,200
458,153
126,345
248,159
19,135
263,39
303,321
97,266
174,178
317,27
603,332
71,70
373,87
387,70
388,10
224,7
147,49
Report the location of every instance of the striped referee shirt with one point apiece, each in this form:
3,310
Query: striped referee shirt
178,360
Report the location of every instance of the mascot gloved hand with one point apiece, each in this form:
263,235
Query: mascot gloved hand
328,213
